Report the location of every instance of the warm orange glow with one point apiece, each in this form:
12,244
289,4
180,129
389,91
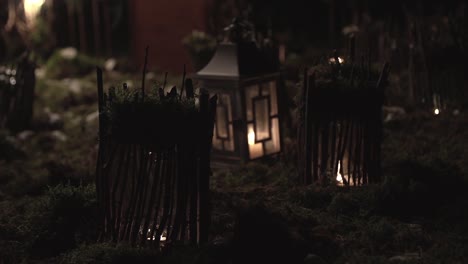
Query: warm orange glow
339,178
332,60
251,137
162,238
31,9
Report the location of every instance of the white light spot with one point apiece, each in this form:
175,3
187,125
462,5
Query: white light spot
31,9
251,137
339,178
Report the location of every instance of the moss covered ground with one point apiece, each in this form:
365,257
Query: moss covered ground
259,214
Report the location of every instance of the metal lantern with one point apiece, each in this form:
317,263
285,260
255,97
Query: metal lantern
247,123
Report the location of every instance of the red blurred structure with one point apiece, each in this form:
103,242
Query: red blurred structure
162,25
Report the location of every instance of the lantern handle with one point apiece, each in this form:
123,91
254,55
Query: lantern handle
239,30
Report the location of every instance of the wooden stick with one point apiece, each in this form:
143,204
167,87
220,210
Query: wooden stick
82,27
143,195
161,172
343,144
300,130
148,210
121,156
308,129
96,27
183,84
133,190
350,149
71,24
122,191
315,147
333,146
324,153
144,74
165,81
107,27
203,191
138,200
189,90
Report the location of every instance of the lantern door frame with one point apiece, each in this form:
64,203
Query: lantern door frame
273,104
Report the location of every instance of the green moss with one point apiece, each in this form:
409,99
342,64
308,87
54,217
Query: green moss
63,66
110,254
9,148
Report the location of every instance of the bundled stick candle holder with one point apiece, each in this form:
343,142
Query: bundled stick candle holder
153,166
340,124
17,82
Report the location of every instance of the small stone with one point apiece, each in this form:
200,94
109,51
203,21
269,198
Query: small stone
388,118
59,135
92,117
76,120
110,64
150,76
75,86
393,112
54,118
394,109
24,135
406,257
314,259
68,53
40,72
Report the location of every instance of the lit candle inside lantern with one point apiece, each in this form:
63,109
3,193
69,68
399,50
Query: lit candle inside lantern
332,60
162,238
251,137
255,149
31,9
339,178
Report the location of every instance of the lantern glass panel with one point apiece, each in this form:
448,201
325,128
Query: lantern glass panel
217,143
255,149
262,119
261,104
222,122
223,138
273,146
273,98
229,145
251,92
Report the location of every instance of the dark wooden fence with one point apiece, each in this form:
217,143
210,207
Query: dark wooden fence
153,167
340,129
88,25
17,83
427,55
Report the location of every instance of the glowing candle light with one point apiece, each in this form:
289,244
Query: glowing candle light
31,9
251,137
339,178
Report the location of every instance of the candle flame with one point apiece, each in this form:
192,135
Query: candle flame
31,9
251,137
162,238
339,178
436,111
332,60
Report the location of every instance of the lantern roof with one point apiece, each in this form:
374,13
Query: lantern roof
237,57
